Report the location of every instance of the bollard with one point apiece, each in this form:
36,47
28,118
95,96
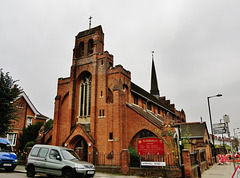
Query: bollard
183,171
199,171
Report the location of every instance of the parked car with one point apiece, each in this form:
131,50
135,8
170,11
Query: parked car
57,161
8,159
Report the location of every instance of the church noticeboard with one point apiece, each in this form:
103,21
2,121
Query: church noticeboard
151,146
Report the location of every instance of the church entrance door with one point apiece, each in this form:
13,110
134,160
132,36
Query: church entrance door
81,149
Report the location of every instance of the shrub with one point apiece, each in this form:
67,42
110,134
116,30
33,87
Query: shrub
134,158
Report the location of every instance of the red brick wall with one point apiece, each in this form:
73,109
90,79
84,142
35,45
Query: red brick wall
136,123
62,115
23,111
118,119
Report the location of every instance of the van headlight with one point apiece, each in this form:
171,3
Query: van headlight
15,161
79,166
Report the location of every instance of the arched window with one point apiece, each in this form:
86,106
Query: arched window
81,49
85,97
90,46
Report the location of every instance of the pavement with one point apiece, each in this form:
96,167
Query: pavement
21,169
220,171
215,171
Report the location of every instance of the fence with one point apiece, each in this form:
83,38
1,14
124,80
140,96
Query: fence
103,159
114,159
171,160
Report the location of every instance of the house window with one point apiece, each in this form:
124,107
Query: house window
29,121
101,114
135,100
110,136
85,97
12,137
149,106
20,105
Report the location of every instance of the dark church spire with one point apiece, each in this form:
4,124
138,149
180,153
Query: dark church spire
154,85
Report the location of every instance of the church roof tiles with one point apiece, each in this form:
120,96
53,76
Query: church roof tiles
151,117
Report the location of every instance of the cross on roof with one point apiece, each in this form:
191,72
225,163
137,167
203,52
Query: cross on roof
152,54
90,18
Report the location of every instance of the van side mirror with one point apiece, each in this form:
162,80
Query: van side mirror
58,158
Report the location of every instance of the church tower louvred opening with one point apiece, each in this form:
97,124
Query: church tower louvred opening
88,42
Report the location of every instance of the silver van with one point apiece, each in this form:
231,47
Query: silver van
57,161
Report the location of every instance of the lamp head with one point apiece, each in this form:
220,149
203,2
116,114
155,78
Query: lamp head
218,95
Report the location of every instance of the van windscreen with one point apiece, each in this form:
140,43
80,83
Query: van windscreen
5,147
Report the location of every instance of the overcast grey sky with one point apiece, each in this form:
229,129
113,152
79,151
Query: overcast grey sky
196,46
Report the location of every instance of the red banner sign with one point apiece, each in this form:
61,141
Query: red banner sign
150,146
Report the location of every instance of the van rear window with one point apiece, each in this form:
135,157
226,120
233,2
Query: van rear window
43,152
35,151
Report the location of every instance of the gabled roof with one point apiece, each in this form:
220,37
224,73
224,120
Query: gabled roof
89,31
154,119
146,95
35,111
84,131
193,129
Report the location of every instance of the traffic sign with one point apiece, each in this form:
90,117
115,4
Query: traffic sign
220,131
219,125
219,128
236,173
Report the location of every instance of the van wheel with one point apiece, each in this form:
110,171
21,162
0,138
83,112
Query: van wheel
30,171
67,173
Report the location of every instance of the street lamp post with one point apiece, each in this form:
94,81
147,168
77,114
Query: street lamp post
214,151
234,133
234,165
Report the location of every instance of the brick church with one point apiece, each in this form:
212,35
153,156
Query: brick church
99,109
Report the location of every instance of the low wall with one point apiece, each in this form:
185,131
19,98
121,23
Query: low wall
194,171
204,166
145,172
109,169
195,168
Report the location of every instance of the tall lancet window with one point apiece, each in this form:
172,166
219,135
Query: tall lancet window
85,97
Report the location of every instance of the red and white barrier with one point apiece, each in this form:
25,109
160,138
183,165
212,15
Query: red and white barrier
227,158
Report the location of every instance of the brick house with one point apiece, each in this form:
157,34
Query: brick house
99,109
27,114
198,136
